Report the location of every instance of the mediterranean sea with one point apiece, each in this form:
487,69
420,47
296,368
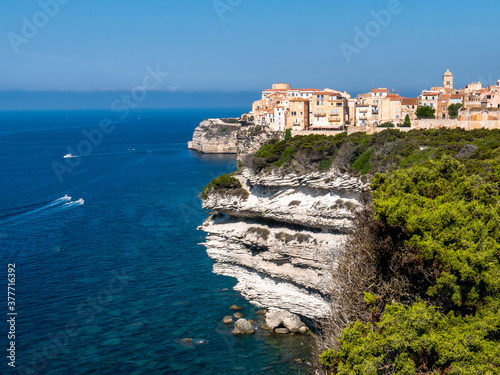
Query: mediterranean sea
109,276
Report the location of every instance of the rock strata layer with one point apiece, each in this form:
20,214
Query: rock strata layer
214,136
280,243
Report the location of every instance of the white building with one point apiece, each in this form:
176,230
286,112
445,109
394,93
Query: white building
279,118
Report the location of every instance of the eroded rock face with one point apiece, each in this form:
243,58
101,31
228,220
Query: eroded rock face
213,136
281,242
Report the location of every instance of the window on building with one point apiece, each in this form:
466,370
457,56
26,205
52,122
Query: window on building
317,103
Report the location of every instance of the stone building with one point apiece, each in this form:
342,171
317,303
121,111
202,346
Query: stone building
409,107
328,110
298,114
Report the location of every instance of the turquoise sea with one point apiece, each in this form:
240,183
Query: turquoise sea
112,285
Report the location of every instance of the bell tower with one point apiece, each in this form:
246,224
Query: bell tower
448,81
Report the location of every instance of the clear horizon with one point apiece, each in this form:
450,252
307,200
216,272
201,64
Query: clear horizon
239,48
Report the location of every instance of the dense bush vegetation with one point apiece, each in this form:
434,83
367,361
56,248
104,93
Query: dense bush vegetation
429,258
365,154
425,112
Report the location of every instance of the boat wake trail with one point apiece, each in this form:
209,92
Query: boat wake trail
63,203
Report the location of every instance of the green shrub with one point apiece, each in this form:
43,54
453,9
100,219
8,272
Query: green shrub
363,163
453,110
406,123
225,184
425,112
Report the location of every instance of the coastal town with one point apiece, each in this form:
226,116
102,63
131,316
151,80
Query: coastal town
311,110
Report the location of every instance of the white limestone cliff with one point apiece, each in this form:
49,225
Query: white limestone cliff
280,243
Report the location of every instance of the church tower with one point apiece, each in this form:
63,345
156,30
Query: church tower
448,81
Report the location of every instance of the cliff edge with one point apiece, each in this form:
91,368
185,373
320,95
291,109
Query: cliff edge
217,136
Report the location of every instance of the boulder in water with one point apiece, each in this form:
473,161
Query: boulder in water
242,326
282,330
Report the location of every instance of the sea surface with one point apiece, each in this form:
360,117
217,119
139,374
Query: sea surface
113,284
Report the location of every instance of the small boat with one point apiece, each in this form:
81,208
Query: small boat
81,201
68,156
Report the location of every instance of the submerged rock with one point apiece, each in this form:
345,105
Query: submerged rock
227,319
238,315
235,307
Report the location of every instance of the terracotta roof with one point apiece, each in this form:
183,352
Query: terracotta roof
409,101
298,100
430,93
456,96
380,90
393,96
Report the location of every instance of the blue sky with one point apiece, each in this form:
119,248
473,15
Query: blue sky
247,45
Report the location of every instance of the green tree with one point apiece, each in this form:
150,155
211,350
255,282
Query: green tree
453,110
288,134
406,123
425,112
